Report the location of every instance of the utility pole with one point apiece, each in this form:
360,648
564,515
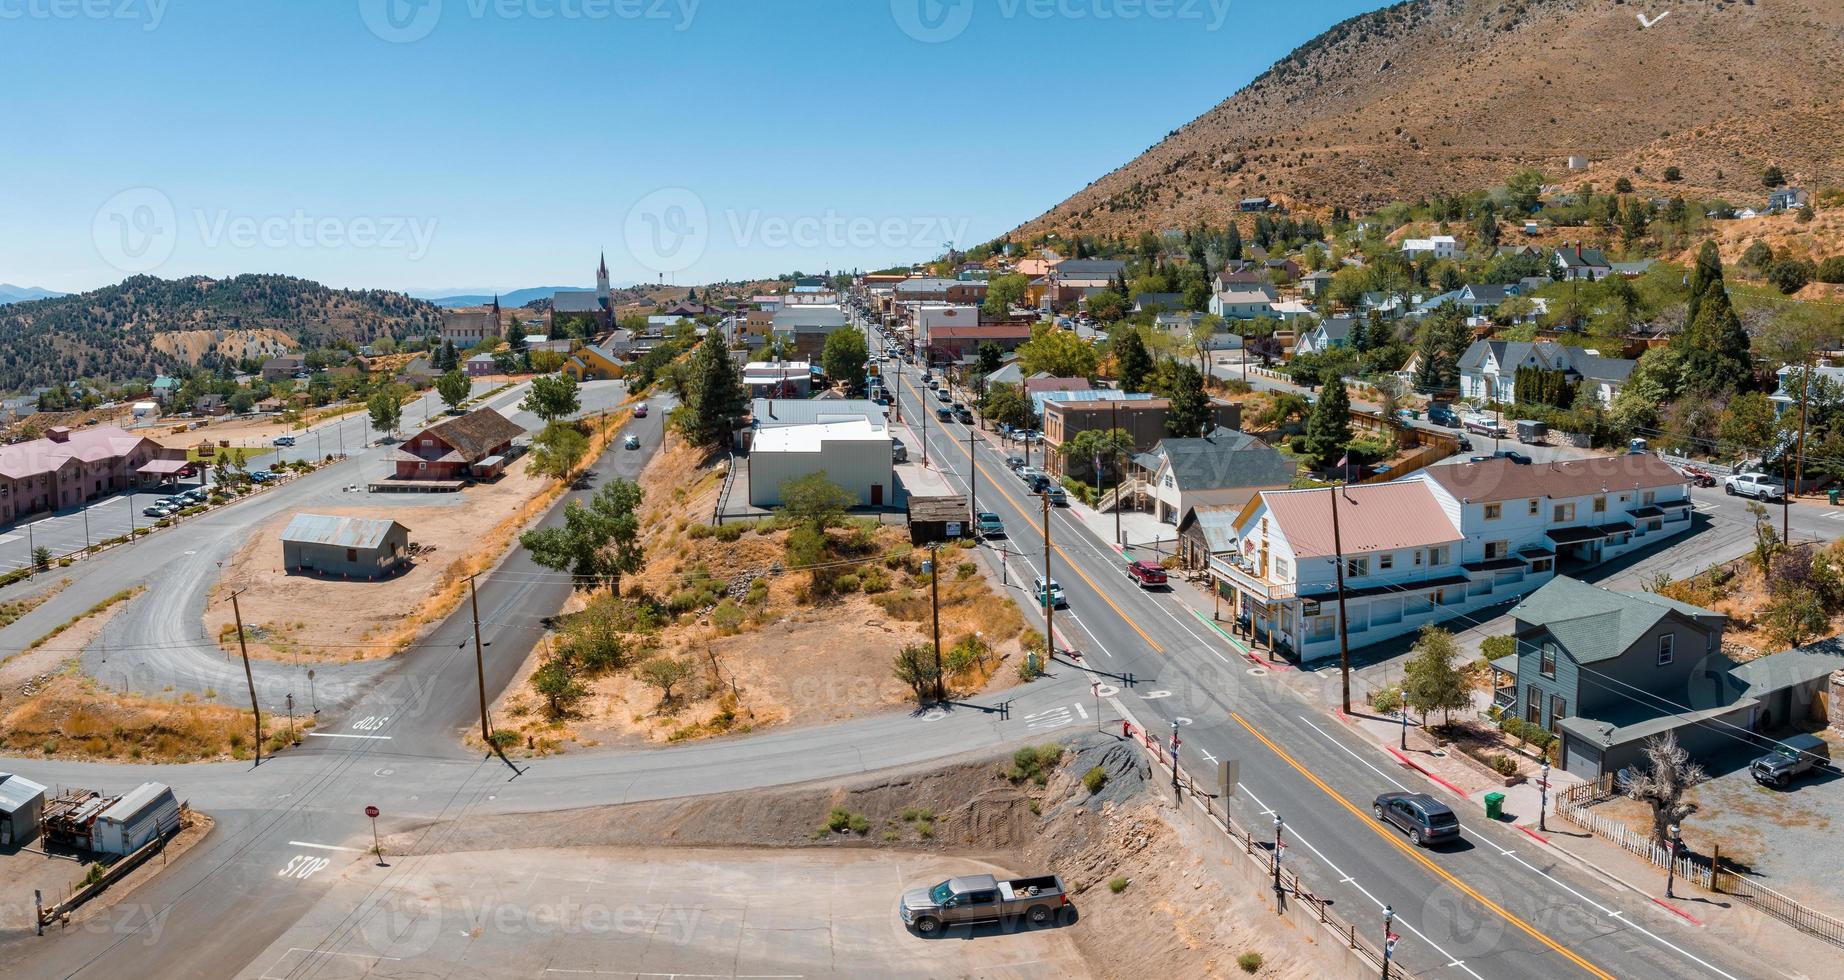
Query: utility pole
1344,641
1049,598
924,400
934,601
1113,427
250,678
1243,326
1799,467
973,481
480,670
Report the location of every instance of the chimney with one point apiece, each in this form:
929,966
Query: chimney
1578,251
58,434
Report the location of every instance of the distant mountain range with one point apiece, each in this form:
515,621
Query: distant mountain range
517,297
10,293
144,325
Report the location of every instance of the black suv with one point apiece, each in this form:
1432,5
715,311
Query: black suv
1426,819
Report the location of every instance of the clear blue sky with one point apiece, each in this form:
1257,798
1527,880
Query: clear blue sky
436,144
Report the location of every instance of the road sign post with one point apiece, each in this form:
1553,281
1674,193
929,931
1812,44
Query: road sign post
1094,688
376,848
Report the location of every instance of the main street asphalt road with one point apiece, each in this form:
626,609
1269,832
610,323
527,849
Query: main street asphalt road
1498,904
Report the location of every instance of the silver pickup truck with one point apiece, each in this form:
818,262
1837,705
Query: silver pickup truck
981,898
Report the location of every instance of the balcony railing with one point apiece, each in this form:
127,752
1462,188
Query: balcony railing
1243,576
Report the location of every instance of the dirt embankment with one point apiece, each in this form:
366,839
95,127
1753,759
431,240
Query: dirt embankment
1179,911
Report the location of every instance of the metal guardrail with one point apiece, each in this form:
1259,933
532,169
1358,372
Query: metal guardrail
1286,880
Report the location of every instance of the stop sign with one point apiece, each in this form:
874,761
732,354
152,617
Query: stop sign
372,812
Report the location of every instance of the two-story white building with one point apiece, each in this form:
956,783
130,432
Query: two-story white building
1436,545
1439,247
1401,567
1324,335
1582,511
1244,302
1488,369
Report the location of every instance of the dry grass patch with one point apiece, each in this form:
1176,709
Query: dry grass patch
75,718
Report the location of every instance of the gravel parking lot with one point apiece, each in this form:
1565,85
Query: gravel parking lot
617,912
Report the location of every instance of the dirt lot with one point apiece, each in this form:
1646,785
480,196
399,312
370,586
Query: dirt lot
372,615
58,870
703,884
762,647
257,431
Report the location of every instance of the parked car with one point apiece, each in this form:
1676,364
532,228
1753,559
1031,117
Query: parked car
1013,463
1058,498
1444,417
281,441
197,496
982,898
1484,425
1425,819
1793,757
899,453
631,442
964,414
1040,587
987,523
1511,454
1146,573
1698,477
261,476
640,410
168,502
157,510
1760,486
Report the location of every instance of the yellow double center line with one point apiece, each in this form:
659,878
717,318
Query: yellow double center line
1071,562
1416,853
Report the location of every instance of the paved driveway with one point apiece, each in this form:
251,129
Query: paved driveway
607,912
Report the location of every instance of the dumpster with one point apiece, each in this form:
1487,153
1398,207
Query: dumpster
1833,495
1495,806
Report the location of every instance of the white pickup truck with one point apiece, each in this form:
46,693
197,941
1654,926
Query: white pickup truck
1760,486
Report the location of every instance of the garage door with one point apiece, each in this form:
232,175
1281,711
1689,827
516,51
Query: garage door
1581,760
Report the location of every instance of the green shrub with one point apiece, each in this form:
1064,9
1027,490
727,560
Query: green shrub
730,532
1504,765
1033,762
1249,962
846,583
1495,647
925,829
874,580
1095,779
965,570
728,616
838,820
698,532
911,815
1117,884
1384,700
859,823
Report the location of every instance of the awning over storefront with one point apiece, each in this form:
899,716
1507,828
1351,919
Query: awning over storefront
164,467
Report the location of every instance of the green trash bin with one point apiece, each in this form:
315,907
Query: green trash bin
1495,806
1833,494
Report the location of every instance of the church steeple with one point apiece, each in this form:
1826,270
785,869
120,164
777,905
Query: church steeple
603,293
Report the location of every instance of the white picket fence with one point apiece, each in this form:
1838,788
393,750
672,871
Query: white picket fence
1576,812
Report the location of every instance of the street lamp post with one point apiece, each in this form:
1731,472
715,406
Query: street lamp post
1543,797
1405,721
1389,938
1174,755
1671,862
1277,853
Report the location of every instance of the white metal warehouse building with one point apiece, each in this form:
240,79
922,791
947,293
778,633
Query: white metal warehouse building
854,454
148,811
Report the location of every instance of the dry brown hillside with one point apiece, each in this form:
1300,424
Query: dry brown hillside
1433,96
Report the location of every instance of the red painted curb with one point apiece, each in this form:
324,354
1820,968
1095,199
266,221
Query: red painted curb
1405,760
1539,838
1674,910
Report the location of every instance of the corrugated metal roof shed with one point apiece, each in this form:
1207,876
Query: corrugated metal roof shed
341,532
137,799
17,791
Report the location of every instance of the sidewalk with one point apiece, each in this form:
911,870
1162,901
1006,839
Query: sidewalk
1793,951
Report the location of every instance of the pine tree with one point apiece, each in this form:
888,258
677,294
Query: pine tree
716,404
1328,428
1716,349
1232,246
1132,364
1189,413
1707,270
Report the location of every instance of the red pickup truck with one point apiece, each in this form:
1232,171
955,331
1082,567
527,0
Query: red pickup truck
1145,573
